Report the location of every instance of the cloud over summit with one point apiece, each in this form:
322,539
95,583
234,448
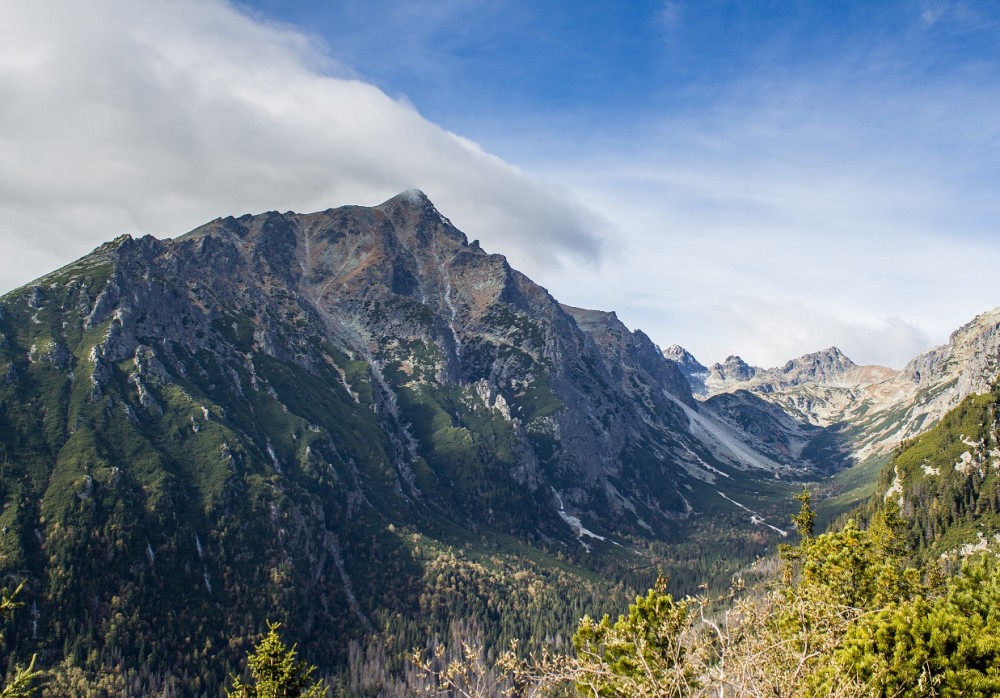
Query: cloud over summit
154,117
733,177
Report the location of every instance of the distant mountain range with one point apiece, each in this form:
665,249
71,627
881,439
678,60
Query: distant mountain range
319,417
873,406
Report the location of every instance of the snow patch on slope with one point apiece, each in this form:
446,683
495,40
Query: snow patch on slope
755,518
575,523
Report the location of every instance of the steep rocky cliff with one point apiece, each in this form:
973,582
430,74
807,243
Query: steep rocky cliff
287,416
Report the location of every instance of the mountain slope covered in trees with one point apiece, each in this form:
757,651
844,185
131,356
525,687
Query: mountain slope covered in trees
355,423
359,425
899,598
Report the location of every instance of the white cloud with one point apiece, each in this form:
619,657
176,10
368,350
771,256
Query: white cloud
157,116
670,14
771,329
719,265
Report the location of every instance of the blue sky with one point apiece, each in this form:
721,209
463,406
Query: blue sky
485,68
758,178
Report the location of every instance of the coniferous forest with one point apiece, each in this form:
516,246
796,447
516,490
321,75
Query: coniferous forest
880,604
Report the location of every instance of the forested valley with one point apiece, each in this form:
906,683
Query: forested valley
886,602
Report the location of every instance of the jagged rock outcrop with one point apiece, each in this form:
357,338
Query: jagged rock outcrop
971,358
689,367
732,370
873,408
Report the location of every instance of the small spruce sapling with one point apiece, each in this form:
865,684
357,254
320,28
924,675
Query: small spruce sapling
276,672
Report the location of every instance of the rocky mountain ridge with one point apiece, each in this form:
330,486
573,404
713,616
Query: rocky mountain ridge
876,407
274,415
319,418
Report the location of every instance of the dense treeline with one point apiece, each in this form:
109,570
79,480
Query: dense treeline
849,616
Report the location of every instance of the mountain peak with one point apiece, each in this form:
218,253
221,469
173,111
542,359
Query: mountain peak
413,196
734,368
832,353
676,352
690,367
411,199
412,209
829,362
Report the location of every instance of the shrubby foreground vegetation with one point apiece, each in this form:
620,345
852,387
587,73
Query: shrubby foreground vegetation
849,616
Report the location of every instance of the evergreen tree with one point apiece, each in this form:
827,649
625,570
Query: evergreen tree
805,520
276,672
23,683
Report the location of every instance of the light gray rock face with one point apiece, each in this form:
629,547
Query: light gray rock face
873,407
732,370
828,367
694,372
970,358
